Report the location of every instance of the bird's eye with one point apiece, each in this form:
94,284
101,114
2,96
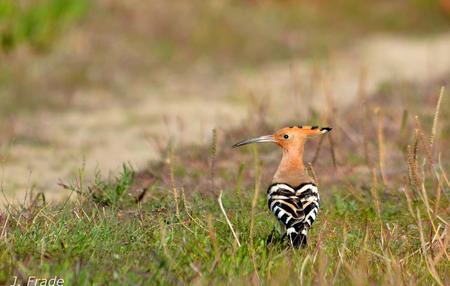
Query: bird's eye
286,136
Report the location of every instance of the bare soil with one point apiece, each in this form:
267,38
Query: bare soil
50,146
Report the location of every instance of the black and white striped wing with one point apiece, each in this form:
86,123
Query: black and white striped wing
296,208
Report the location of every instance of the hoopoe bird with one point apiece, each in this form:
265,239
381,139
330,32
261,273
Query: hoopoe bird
293,195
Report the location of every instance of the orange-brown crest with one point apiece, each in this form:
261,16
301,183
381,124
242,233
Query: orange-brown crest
295,135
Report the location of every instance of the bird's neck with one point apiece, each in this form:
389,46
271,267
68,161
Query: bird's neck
291,169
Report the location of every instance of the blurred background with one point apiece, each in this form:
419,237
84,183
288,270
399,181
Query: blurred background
95,83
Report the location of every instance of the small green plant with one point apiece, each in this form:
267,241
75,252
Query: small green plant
111,193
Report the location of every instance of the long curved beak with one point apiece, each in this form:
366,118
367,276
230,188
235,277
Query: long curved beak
266,138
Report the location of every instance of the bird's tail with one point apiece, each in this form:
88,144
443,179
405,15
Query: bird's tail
296,235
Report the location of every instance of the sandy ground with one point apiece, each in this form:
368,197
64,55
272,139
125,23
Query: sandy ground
51,147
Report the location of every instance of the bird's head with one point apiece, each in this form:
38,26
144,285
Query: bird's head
288,137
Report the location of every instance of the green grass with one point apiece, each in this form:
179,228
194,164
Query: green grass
87,243
114,232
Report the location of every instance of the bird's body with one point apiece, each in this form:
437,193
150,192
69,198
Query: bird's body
293,196
295,207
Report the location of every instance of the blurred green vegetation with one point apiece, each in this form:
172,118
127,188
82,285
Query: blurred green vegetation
253,32
119,44
237,29
36,22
